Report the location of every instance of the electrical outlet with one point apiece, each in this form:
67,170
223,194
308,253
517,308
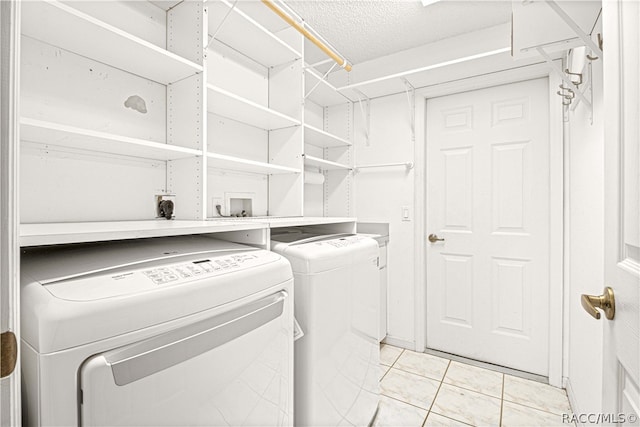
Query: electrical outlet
159,198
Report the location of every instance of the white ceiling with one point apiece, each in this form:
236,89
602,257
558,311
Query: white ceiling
367,29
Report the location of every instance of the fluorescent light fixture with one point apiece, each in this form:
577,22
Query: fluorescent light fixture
428,2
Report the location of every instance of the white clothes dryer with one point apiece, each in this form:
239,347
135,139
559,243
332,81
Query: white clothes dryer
157,332
337,305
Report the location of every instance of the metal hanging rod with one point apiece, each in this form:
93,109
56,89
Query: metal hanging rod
407,165
315,40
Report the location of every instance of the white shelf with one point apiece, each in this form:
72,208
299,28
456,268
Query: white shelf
277,222
324,164
300,221
537,24
324,94
320,138
247,36
230,105
223,161
63,26
78,232
72,137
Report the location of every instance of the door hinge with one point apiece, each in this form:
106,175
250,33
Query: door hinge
8,353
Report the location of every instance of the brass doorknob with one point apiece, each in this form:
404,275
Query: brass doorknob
434,238
606,302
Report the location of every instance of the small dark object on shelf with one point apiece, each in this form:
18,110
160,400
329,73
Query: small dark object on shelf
166,209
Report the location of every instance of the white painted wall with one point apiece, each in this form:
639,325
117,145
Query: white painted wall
379,196
585,201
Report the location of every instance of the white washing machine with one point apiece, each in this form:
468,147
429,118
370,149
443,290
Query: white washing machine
157,332
337,305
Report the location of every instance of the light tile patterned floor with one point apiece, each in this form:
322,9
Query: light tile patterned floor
424,390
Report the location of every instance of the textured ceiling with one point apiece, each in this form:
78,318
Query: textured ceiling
367,29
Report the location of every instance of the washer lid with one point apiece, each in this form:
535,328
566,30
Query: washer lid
324,253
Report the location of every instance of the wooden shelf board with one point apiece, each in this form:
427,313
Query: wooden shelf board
320,138
72,137
227,104
223,161
61,25
324,164
247,36
79,232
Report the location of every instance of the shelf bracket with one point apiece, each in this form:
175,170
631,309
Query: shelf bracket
411,98
564,77
575,27
587,87
221,24
324,78
365,110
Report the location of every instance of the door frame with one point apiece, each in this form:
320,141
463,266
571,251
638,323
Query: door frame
557,289
10,409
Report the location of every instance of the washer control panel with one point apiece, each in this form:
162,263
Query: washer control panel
343,241
204,267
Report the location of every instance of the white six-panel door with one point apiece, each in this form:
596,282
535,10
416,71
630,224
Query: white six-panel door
488,197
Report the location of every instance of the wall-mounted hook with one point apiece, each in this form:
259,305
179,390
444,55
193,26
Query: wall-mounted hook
579,75
567,94
594,57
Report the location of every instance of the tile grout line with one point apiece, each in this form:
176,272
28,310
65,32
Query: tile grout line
443,379
416,374
472,390
435,396
397,358
406,403
532,407
452,419
385,374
